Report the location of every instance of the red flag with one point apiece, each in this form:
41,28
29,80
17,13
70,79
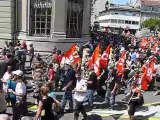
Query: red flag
104,58
144,43
72,55
75,58
149,74
94,61
94,56
70,51
120,64
144,82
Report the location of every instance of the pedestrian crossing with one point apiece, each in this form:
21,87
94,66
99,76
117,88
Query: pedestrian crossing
147,113
151,113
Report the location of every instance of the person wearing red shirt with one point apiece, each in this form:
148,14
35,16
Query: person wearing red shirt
51,72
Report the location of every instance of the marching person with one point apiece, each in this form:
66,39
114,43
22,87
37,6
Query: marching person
91,85
44,111
3,103
80,96
20,108
136,99
69,78
111,86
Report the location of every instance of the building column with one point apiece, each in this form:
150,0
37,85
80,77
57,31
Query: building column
86,18
23,18
24,15
59,18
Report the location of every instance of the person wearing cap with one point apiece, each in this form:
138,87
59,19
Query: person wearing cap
20,108
69,79
111,86
80,96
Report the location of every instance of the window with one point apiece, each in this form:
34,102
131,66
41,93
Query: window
121,21
40,17
126,22
74,18
113,21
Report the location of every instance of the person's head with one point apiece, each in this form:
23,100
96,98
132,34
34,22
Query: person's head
50,85
9,69
44,90
4,53
4,117
55,60
50,65
129,57
78,76
6,43
111,69
67,64
10,44
18,75
59,52
30,45
132,67
54,49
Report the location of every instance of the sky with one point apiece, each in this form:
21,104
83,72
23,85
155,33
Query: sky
123,2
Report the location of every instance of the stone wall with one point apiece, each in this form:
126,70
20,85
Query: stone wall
6,20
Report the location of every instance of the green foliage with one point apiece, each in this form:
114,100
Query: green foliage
152,24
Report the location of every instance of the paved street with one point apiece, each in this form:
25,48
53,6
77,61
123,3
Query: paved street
150,110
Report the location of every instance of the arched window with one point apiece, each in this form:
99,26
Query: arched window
74,18
40,17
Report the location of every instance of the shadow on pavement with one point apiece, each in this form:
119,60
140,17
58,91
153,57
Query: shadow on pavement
116,116
94,117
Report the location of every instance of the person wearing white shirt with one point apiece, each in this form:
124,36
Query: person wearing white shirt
80,96
6,77
20,109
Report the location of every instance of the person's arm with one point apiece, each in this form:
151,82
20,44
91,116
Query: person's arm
21,91
115,88
51,74
68,85
138,96
39,110
56,102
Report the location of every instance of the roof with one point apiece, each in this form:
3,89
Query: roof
150,2
124,8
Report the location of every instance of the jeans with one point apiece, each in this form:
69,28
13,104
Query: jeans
67,96
110,98
90,97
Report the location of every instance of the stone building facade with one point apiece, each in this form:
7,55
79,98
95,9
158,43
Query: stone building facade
46,23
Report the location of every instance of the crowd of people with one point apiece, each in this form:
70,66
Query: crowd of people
106,65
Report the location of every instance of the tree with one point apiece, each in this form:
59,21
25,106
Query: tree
153,24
